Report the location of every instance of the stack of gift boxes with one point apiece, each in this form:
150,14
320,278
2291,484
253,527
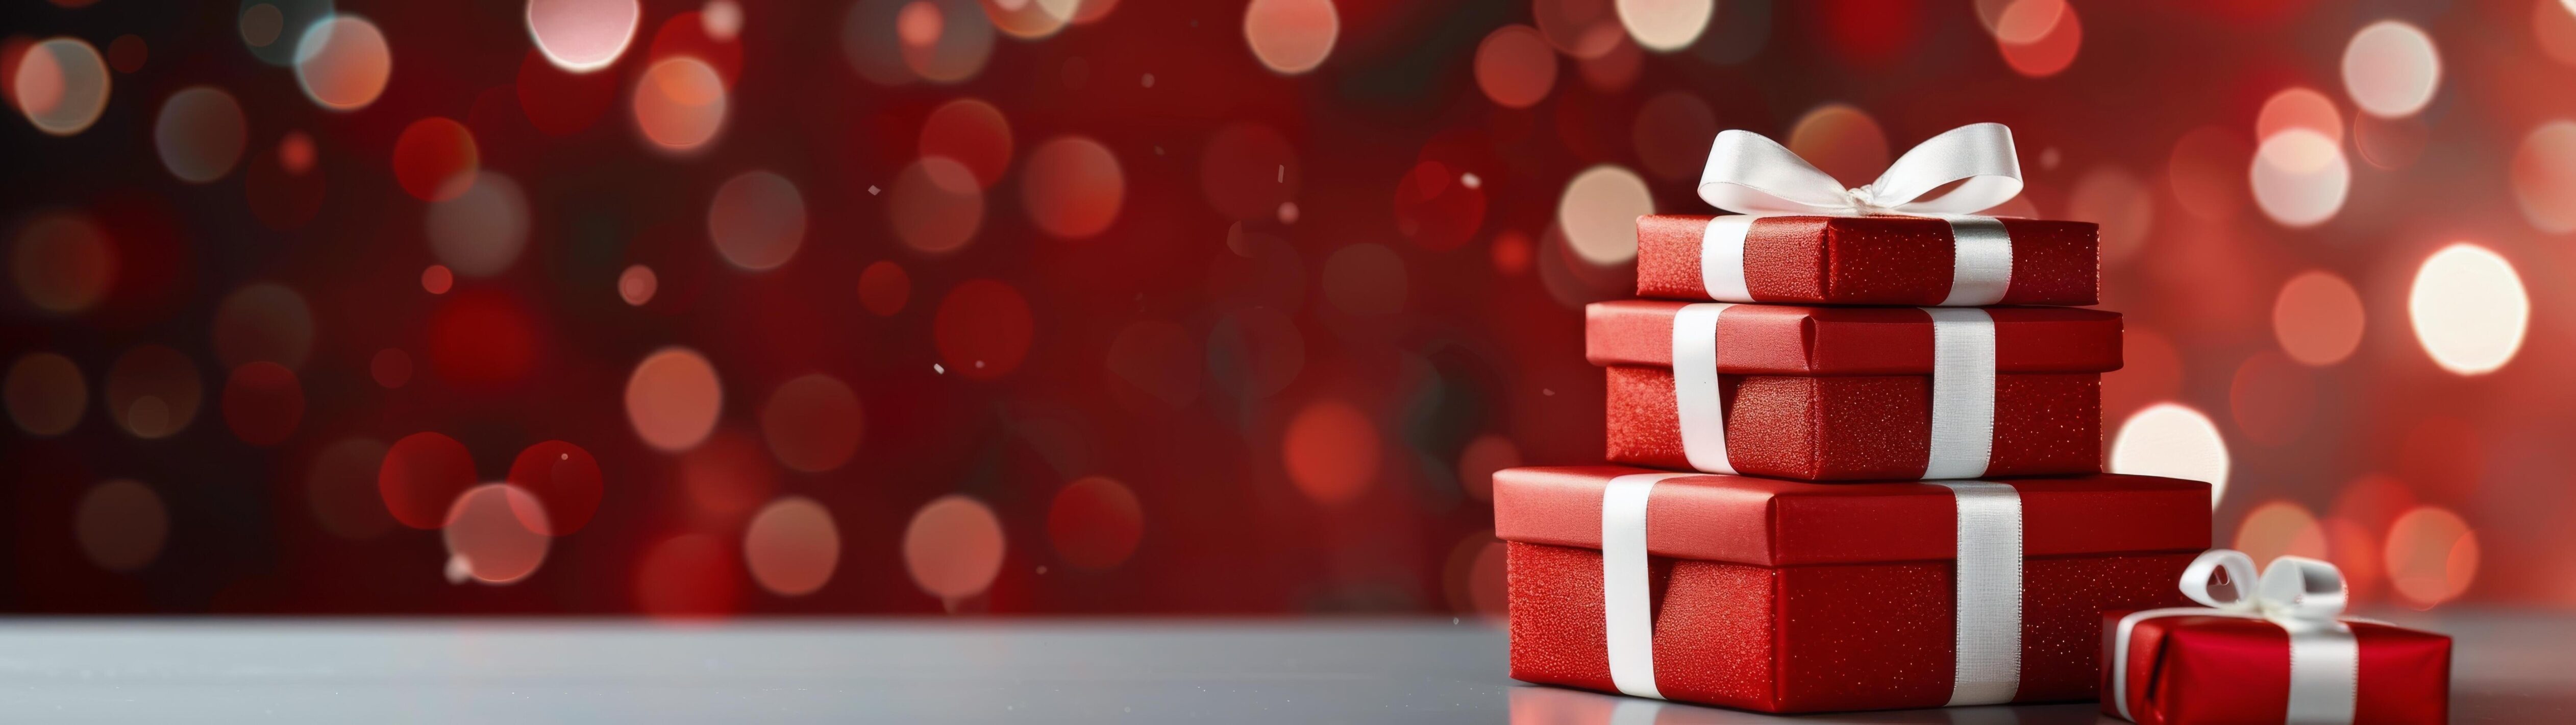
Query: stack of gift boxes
1854,459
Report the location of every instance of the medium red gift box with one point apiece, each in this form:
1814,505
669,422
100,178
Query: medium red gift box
2266,661
1848,393
1858,260
1783,596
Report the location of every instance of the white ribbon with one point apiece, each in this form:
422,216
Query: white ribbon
1697,399
1963,390
1987,657
1756,176
2300,594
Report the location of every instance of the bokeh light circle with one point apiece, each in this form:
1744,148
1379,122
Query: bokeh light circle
2300,177
1480,459
688,576
390,368
935,205
1842,141
954,547
943,41
1581,29
983,329
1072,187
2175,441
1331,451
480,232
972,132
1598,213
2553,24
1439,209
435,159
200,134
263,401
680,103
2280,528
757,220
63,263
45,394
263,321
2121,204
637,284
121,525
884,288
727,476
792,546
563,477
1095,522
340,487
813,423
486,538
673,398
583,35
2207,172
2299,107
2544,176
2317,318
343,62
2432,556
2468,308
1515,67
1291,36
1664,26
153,391
2039,38
272,29
437,279
421,476
61,85
2391,69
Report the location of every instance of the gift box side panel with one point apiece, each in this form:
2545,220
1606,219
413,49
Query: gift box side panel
1668,256
1786,258
2405,676
1856,428
2221,670
2054,262
1883,260
2063,598
1712,626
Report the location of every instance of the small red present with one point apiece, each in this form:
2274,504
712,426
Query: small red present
1867,260
1909,238
1854,393
1784,596
2275,654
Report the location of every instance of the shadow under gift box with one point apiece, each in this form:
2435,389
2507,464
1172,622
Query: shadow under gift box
1845,393
1783,596
1869,260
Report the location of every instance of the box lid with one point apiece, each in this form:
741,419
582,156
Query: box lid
1770,522
1819,340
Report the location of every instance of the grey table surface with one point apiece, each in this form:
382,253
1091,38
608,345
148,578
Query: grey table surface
2510,668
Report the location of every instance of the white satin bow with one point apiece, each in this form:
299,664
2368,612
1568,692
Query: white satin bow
2294,589
1748,173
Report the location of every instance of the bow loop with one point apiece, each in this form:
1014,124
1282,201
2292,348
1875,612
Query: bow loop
2292,589
1750,174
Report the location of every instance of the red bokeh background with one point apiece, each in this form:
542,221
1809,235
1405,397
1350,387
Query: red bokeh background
1154,306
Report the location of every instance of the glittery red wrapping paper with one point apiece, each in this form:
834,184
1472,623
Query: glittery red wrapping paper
2196,670
1857,428
1802,340
1883,260
1800,597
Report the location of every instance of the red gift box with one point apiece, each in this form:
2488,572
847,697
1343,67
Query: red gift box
1845,393
1784,596
1865,260
2209,665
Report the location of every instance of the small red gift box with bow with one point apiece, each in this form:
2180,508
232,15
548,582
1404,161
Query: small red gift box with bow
2271,650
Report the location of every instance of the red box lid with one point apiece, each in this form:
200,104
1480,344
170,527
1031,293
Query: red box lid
1770,522
1801,340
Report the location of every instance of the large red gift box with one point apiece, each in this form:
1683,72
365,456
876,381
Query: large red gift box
1865,260
1845,393
1784,596
2200,669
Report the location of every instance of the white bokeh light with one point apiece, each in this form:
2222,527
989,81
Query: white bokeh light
2391,69
2300,177
583,35
1599,211
2469,309
2174,441
1665,25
